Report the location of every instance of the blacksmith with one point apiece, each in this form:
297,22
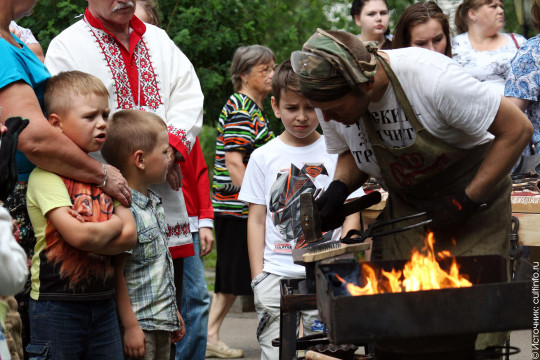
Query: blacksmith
433,136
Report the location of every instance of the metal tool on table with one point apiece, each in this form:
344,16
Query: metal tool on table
316,242
311,224
520,268
376,229
319,247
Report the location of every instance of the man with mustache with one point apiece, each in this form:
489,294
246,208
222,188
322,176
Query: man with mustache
143,69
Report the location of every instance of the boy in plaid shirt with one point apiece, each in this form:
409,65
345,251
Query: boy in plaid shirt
138,145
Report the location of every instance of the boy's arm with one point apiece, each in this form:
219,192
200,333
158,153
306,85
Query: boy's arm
134,338
87,236
178,334
206,236
206,210
256,236
127,238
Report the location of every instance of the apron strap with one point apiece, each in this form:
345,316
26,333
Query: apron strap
402,98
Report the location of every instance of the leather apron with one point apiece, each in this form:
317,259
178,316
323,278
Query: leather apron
429,168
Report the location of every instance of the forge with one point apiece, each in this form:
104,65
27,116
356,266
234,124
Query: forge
431,324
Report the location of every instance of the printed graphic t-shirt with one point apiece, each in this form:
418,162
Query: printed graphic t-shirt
60,271
276,176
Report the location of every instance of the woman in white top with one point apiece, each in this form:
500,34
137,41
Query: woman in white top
480,48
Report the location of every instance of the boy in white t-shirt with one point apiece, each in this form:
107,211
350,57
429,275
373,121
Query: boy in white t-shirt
293,163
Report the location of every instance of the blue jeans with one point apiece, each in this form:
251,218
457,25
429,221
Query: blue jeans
195,304
74,330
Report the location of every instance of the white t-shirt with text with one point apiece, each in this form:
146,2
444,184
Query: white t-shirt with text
449,103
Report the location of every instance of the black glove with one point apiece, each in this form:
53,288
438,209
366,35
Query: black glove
8,151
228,189
450,212
330,202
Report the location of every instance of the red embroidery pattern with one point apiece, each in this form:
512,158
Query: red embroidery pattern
149,84
147,76
181,135
178,230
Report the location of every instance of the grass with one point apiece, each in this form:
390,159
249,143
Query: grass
210,267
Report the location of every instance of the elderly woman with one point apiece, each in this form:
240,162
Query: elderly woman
396,115
424,25
372,18
242,127
523,82
480,48
22,79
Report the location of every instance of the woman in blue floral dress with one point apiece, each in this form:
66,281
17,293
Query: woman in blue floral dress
523,81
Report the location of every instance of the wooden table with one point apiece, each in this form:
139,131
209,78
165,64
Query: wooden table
526,207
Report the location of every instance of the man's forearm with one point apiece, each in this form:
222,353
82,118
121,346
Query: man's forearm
44,145
348,172
512,131
58,154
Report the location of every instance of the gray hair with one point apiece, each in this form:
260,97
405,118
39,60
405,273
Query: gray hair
245,57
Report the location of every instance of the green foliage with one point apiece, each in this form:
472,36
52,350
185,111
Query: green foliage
207,138
512,24
210,261
209,31
50,17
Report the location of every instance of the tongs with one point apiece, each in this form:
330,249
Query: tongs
374,229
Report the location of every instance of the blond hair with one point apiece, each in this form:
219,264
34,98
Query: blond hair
60,89
131,130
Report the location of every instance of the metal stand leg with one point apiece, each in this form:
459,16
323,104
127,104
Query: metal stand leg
291,301
287,334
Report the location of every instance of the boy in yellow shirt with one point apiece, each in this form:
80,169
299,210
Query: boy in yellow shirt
78,229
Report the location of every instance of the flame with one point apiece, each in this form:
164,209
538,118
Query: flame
422,272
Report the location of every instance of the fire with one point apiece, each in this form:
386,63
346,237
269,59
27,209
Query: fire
422,272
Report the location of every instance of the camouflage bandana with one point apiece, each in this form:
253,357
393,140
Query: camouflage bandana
332,63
